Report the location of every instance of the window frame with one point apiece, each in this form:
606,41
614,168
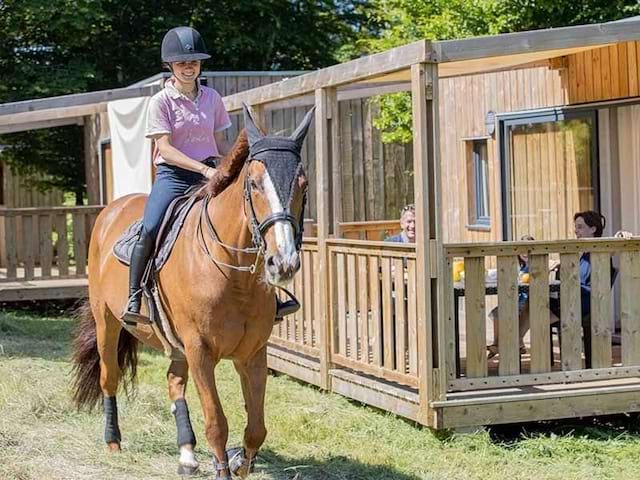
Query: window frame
475,184
505,121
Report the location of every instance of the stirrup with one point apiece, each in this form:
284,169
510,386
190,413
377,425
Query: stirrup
132,318
287,307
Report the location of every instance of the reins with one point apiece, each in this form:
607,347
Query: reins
257,250
257,230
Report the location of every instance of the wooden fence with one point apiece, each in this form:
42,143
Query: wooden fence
373,341
374,230
464,354
374,320
45,243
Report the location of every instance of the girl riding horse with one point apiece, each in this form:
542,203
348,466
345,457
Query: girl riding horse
187,122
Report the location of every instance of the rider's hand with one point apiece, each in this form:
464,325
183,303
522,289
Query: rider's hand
209,172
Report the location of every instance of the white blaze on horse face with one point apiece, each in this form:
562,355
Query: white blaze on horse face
284,231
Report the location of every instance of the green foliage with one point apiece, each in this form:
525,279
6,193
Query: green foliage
394,120
49,158
57,47
397,22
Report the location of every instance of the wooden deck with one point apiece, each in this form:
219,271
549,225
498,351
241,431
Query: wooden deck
54,287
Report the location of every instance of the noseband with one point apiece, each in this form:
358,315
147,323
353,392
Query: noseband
258,229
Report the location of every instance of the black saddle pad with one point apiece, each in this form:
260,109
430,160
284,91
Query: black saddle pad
169,230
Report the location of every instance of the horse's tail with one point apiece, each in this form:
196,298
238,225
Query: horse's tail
86,360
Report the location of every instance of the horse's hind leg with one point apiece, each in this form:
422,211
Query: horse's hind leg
108,336
177,377
253,377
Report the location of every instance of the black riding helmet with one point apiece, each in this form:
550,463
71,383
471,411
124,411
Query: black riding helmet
182,44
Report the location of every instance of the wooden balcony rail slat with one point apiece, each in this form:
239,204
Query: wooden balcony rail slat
388,359
508,317
475,314
363,307
539,313
374,307
601,310
630,307
352,317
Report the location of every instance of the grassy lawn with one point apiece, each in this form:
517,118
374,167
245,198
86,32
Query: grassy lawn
312,435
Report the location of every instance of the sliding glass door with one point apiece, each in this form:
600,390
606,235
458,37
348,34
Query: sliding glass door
549,172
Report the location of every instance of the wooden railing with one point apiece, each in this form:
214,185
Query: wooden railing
468,369
373,230
299,332
373,314
45,243
374,319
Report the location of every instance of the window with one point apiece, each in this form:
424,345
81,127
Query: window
549,165
478,184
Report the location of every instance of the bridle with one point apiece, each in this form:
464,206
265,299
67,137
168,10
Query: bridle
258,229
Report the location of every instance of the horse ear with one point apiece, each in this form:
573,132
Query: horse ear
301,132
253,132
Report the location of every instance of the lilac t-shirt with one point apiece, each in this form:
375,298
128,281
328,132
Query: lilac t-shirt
191,123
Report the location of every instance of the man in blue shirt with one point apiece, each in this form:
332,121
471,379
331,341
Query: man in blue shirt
407,226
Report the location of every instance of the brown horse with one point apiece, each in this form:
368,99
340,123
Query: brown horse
218,306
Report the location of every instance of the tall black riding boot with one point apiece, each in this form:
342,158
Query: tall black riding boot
139,258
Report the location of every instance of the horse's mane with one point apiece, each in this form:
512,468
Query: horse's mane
229,168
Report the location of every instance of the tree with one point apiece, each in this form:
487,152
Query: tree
397,22
49,159
56,47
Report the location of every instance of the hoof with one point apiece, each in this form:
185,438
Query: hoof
238,464
113,447
186,470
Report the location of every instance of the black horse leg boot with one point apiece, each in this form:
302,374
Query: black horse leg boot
139,259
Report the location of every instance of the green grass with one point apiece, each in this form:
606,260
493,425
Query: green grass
312,435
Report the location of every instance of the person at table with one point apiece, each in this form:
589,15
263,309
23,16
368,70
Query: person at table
407,226
523,305
587,224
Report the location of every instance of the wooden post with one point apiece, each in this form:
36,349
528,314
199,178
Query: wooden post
336,163
91,159
325,104
424,87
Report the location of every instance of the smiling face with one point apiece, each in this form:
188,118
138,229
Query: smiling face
186,72
583,230
408,224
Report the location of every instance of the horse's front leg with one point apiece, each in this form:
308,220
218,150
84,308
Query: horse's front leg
177,377
202,366
253,377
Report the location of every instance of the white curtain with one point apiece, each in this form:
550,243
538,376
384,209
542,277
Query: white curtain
130,150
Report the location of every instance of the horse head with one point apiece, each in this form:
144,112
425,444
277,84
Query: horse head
275,197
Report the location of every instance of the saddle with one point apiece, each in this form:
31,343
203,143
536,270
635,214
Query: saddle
170,227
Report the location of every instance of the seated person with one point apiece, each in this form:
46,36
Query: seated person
407,226
523,305
588,224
